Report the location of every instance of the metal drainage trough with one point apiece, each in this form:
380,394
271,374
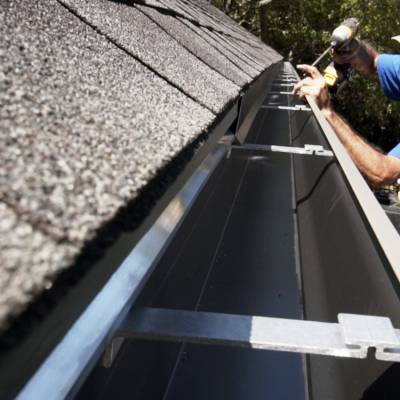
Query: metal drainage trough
274,273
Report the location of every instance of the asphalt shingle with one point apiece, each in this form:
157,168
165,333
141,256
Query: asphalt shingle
122,22
83,127
29,262
212,39
251,44
226,23
246,46
188,38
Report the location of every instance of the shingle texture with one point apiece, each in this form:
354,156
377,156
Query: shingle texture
210,32
121,23
95,98
188,38
29,261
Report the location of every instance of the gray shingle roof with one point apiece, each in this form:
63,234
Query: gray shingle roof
210,31
95,98
124,23
187,36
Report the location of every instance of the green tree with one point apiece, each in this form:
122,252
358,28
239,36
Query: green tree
245,12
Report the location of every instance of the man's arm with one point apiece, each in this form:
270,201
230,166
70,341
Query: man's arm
378,168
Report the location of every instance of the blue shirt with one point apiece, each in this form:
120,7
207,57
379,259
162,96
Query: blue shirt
388,69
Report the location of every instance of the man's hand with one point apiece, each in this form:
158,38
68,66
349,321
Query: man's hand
314,85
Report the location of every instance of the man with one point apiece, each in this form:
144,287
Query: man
378,168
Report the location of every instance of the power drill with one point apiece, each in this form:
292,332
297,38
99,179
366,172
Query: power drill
336,74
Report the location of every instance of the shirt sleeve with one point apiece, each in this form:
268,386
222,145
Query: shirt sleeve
395,152
388,69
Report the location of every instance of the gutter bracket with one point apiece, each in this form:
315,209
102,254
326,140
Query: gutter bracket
317,150
288,108
308,149
351,337
377,332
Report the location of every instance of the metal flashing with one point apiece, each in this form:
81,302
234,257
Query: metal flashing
251,102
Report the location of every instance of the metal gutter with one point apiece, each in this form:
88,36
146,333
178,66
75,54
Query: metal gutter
231,122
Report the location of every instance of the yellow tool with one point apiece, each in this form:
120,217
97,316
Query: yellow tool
337,74
331,75
341,37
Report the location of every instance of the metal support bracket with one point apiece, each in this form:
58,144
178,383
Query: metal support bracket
272,92
308,149
294,108
282,84
350,338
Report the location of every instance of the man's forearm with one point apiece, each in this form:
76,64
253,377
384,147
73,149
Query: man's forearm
377,167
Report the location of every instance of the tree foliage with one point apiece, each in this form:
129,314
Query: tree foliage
245,12
301,29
